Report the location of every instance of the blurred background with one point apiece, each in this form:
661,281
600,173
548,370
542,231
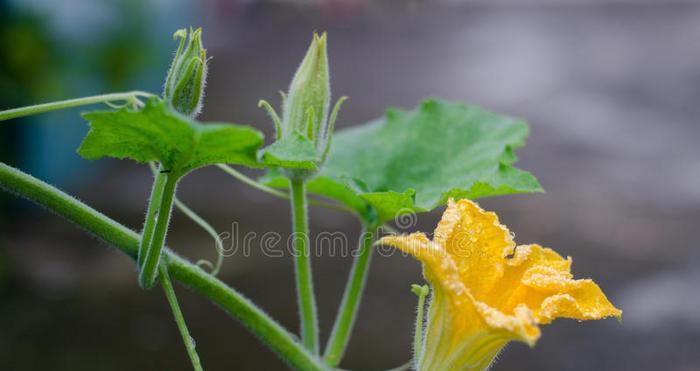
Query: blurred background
611,89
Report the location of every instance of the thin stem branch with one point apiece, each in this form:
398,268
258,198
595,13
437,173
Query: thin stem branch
342,329
149,268
70,103
251,182
302,265
179,318
231,301
218,244
277,193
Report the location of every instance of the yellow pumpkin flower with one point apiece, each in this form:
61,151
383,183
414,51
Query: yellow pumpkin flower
487,292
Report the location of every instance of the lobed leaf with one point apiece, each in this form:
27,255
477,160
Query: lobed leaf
414,161
159,133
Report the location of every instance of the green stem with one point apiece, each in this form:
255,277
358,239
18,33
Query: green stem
302,266
422,293
149,268
274,192
126,240
340,336
151,212
218,244
70,103
246,180
179,319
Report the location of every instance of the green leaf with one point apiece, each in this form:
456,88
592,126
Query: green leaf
414,161
294,151
158,133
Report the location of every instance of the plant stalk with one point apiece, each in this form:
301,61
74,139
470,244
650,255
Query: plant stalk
149,268
179,318
218,244
349,306
231,301
302,266
274,192
151,215
70,103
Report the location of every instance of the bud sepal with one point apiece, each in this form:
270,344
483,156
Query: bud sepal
184,85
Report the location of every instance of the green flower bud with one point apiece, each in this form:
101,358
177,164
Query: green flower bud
308,99
306,106
184,86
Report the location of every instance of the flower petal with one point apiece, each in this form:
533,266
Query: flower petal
541,279
478,244
438,267
521,325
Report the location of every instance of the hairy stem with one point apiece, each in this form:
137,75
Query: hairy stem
251,182
302,267
277,193
342,329
218,244
179,319
422,293
151,215
126,240
70,103
149,268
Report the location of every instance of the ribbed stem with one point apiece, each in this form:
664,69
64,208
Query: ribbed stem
149,268
149,223
349,306
302,267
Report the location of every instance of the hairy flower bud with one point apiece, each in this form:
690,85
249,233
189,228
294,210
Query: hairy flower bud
306,126
184,86
308,99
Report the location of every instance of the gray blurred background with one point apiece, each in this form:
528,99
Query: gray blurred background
611,89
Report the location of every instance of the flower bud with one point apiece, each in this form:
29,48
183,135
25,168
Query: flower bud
307,119
184,86
308,99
